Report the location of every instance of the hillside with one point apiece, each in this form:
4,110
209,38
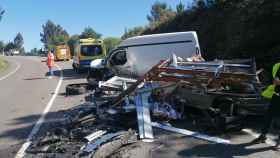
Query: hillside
232,29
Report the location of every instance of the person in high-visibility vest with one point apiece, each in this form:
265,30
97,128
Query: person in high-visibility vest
50,63
273,93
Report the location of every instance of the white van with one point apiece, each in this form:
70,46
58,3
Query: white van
134,56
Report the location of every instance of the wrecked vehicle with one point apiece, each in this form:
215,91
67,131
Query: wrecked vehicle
224,91
134,56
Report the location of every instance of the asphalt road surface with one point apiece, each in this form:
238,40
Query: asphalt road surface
25,91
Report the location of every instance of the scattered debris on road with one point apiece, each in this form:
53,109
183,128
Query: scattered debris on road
222,92
78,88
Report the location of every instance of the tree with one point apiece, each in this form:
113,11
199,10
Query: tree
136,31
71,43
2,46
34,51
18,41
9,47
200,4
210,2
1,13
111,42
53,35
90,33
22,51
160,13
180,8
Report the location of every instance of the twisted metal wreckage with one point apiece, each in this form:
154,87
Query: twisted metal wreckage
224,91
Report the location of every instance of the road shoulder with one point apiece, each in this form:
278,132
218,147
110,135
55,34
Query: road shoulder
3,65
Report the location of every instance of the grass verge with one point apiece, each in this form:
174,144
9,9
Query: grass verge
3,64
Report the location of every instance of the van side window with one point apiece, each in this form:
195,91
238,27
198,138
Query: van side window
119,58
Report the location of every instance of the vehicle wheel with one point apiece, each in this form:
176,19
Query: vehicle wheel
222,111
76,89
94,76
220,123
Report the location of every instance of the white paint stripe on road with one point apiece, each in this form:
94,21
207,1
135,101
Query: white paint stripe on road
38,124
12,72
256,135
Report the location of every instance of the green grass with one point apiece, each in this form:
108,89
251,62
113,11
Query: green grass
3,64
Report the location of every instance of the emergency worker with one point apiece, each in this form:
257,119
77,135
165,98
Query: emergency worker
273,112
50,63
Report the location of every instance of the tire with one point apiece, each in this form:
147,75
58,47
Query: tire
222,108
94,76
76,89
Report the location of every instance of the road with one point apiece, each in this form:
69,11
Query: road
24,94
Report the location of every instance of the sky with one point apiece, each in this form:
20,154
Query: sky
108,17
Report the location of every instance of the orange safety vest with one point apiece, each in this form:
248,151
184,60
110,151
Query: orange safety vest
50,60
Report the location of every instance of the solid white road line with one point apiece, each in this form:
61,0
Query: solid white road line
38,124
256,135
12,72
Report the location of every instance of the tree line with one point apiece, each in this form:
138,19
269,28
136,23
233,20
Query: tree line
15,45
53,34
226,28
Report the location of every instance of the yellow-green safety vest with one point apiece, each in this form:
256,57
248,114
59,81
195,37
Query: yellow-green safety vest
270,90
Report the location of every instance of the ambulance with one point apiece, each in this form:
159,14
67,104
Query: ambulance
87,50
